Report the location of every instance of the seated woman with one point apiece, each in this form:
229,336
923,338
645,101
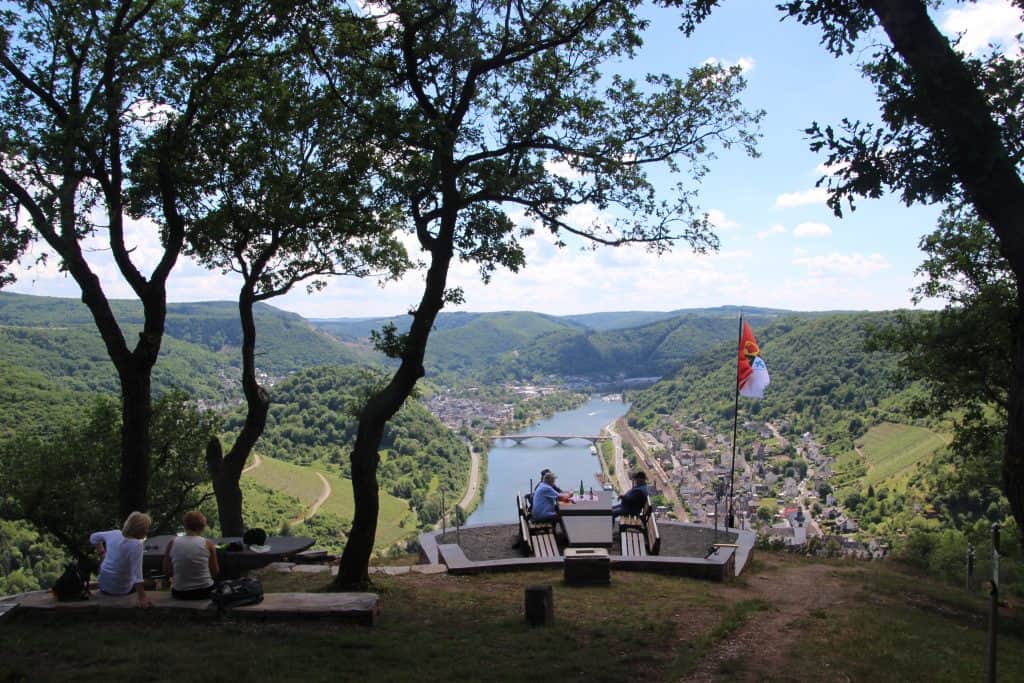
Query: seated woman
191,561
121,570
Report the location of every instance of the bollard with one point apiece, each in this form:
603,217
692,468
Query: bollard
970,565
993,616
540,605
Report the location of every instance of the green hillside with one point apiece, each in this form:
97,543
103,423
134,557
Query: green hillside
312,421
301,484
200,339
823,381
888,456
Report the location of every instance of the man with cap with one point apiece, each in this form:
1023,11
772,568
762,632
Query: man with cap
546,499
631,503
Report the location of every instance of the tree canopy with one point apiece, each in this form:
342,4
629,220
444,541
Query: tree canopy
498,119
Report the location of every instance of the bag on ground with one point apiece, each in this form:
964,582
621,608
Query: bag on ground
237,592
72,585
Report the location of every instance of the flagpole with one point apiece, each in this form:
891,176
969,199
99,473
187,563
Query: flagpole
735,421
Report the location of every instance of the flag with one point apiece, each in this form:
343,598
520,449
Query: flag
751,372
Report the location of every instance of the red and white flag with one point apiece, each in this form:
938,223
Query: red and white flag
751,371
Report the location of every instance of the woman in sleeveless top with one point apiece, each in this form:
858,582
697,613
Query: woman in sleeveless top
191,561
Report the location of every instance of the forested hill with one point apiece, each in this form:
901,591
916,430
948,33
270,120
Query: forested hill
822,380
650,350
520,345
57,337
313,418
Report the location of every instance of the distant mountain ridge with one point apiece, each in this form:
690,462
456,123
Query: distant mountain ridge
487,347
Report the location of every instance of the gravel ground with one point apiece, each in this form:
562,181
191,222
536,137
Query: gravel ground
500,542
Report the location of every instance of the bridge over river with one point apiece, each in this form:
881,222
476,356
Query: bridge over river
559,439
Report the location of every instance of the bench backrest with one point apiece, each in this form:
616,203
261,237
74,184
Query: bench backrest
651,528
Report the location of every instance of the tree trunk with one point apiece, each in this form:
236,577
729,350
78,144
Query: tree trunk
956,110
136,411
353,572
226,472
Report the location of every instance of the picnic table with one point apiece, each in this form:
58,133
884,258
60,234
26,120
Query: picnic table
588,520
233,563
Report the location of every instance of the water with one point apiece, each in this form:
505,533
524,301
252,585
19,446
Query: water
510,468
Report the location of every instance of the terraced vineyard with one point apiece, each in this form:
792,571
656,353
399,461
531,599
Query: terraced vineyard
891,453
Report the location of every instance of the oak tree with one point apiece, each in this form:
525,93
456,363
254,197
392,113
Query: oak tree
500,106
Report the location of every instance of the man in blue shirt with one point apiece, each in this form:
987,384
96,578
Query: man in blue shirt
631,503
546,499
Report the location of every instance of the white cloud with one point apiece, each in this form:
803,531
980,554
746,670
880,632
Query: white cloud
812,230
746,64
788,200
718,219
562,169
776,229
849,265
983,23
831,169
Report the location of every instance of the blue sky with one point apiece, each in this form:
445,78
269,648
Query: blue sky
781,247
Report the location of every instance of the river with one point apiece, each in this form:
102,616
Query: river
510,468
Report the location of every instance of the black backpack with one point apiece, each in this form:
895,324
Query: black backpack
73,584
237,592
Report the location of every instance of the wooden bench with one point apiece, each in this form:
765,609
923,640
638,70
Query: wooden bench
539,538
640,529
632,542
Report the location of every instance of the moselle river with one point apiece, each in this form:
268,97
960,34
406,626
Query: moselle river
510,468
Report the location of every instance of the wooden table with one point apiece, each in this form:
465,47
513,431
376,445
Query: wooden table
588,522
233,563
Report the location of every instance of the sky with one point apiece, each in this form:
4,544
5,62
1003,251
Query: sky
781,246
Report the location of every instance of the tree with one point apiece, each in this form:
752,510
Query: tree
500,104
85,89
288,193
960,354
62,484
930,151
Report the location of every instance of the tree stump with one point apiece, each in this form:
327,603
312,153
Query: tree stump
540,605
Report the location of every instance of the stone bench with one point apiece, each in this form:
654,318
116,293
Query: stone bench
357,608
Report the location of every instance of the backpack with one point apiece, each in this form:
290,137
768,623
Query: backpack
237,592
72,585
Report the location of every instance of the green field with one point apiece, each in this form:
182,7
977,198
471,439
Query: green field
294,480
393,511
891,454
395,523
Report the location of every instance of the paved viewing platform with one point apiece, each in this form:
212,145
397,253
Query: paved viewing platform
686,550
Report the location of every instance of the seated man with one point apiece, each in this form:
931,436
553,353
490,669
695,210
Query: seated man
631,503
546,499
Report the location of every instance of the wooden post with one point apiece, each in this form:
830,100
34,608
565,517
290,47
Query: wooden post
540,605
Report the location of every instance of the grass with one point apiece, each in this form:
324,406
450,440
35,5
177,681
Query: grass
884,624
395,522
293,480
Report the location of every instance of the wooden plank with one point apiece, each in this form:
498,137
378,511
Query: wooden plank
545,545
632,542
653,536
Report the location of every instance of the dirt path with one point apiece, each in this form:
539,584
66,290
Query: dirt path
255,463
325,493
767,635
474,479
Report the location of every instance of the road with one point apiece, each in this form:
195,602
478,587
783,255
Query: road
325,493
474,479
255,463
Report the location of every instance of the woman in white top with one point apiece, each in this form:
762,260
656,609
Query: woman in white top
191,561
121,570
